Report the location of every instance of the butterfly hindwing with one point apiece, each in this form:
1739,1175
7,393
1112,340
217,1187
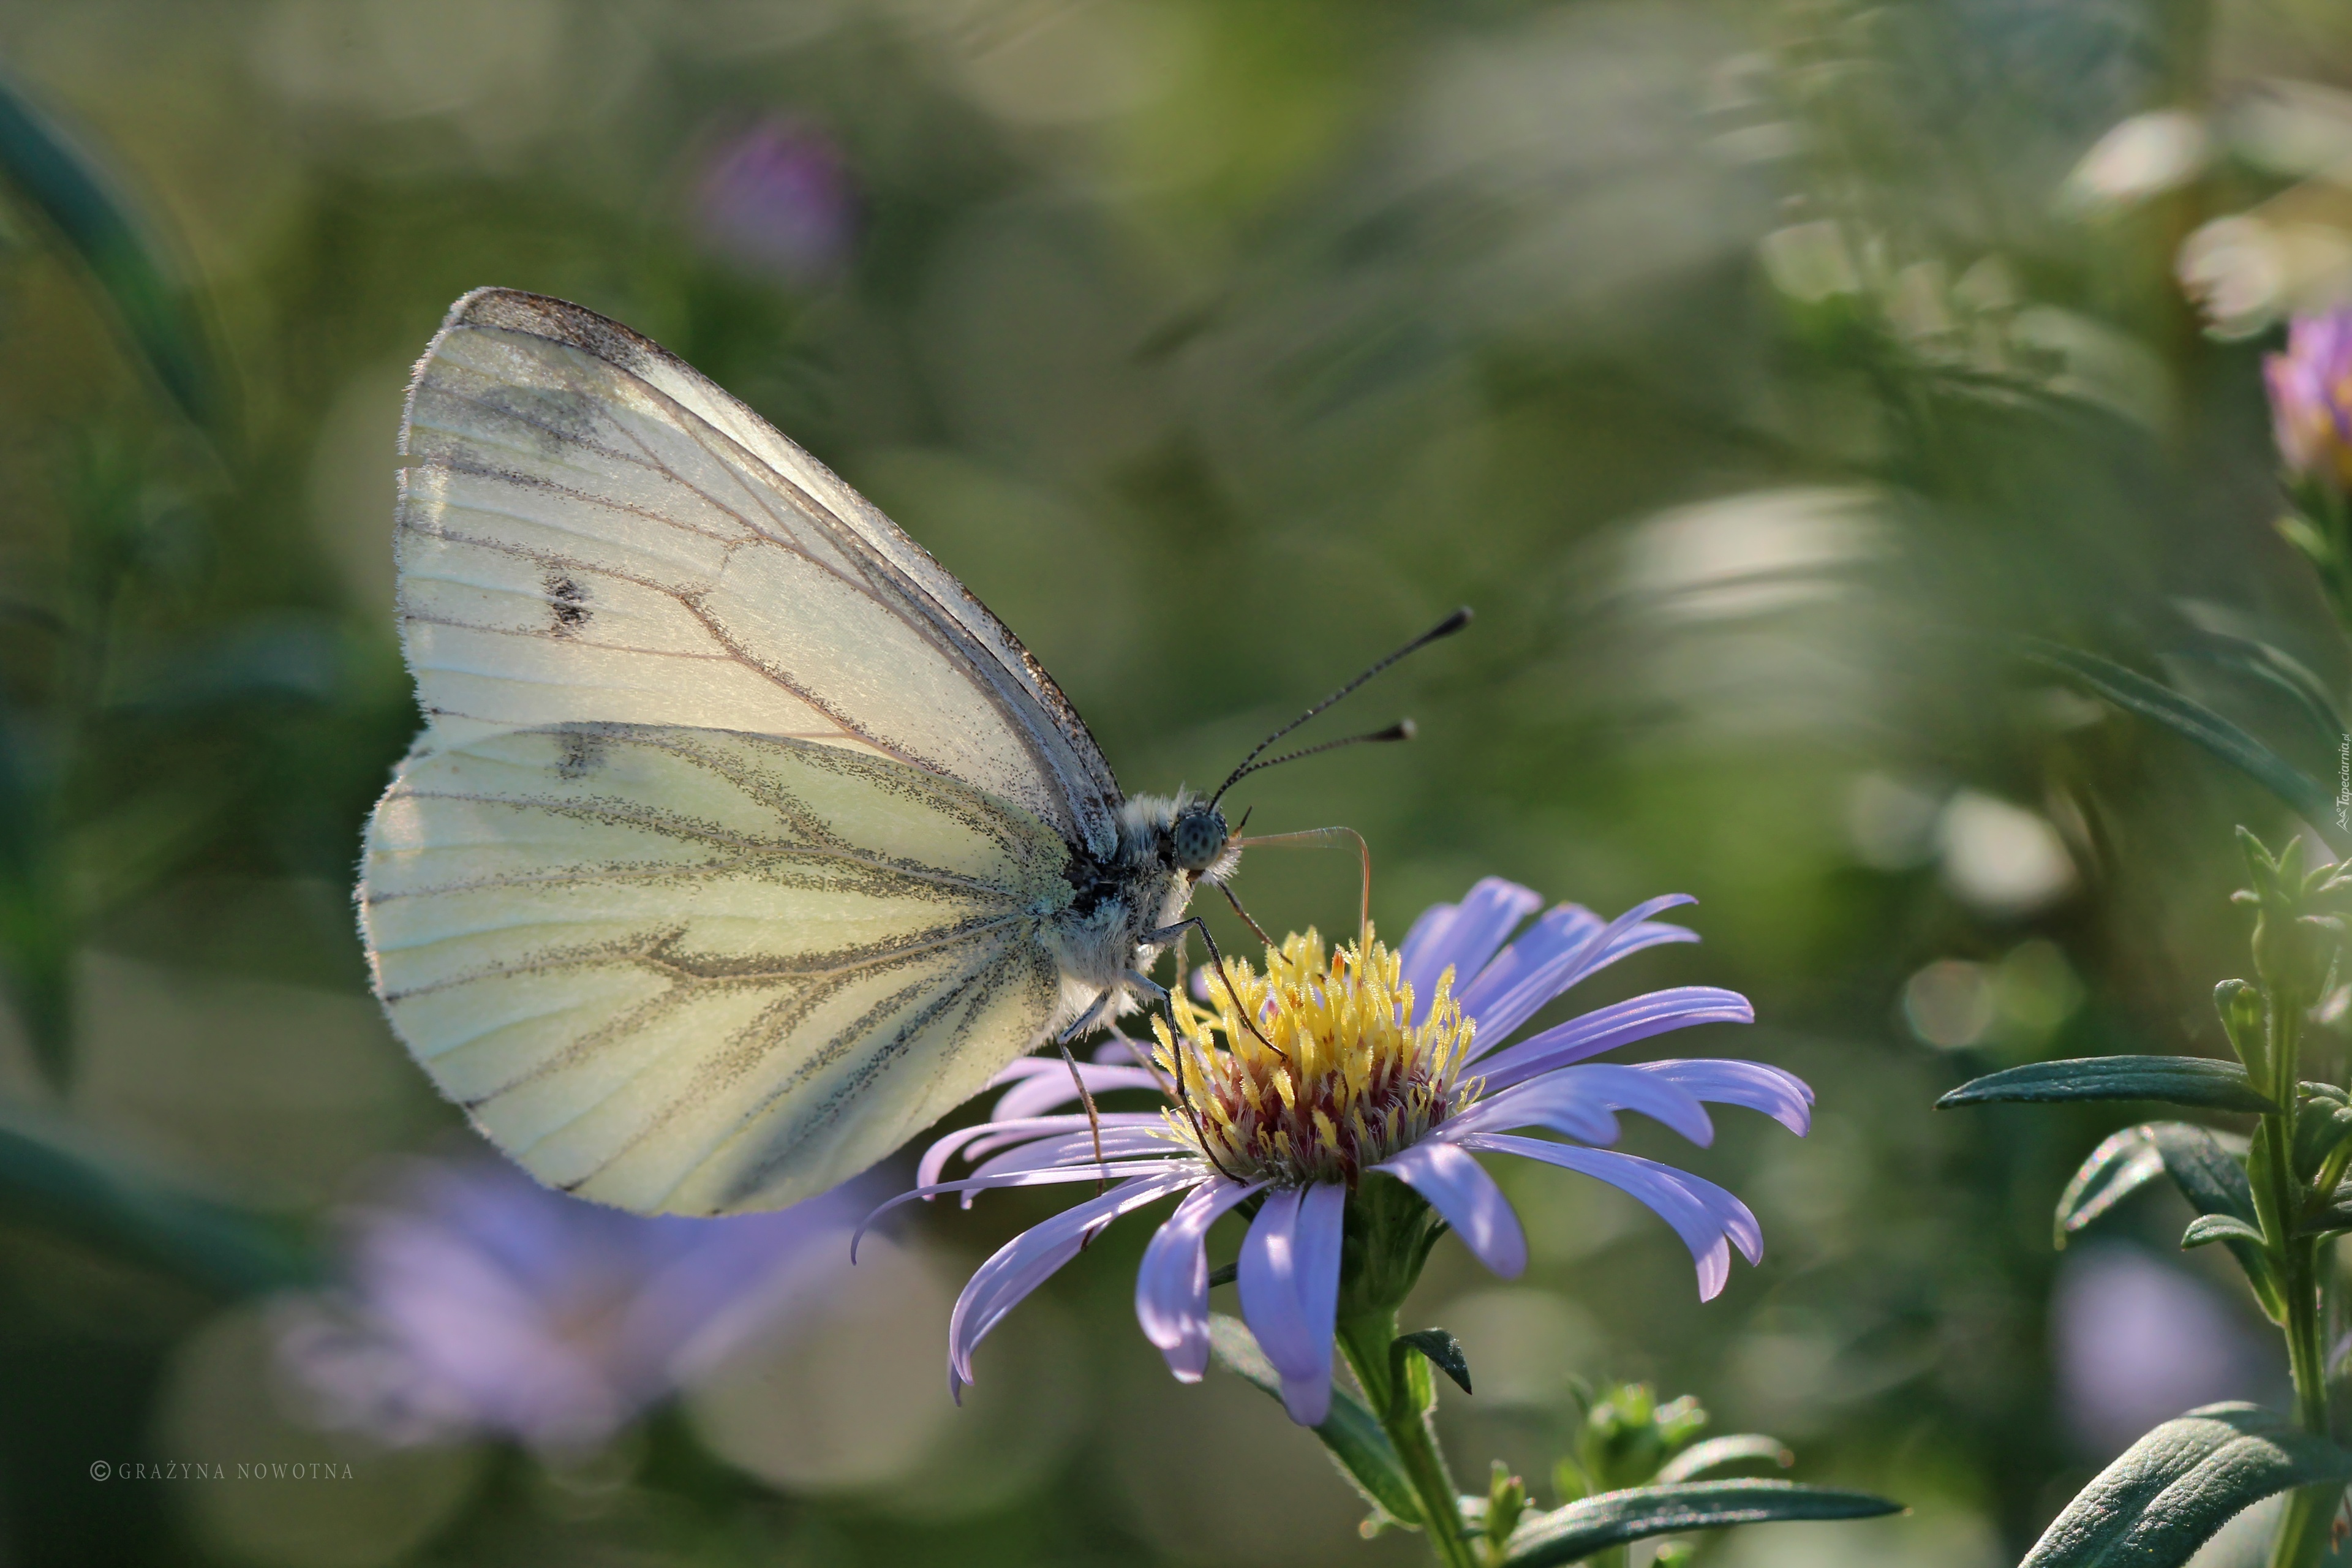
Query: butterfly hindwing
681,969
590,530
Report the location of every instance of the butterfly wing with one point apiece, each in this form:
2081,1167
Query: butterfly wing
685,969
590,530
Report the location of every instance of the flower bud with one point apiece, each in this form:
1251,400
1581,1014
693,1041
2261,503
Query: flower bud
2311,399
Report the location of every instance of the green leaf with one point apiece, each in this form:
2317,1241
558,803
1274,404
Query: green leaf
2212,1227
2210,1169
2196,722
1351,1434
1581,1529
2281,670
2175,1080
2122,1164
55,1177
2154,1507
1717,1453
53,177
1444,1351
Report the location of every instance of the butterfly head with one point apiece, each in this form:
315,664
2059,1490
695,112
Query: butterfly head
1197,836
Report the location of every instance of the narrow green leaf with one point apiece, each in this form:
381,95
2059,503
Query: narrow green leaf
1444,1351
2210,1169
2122,1164
1351,1434
67,188
56,1178
2154,1507
2213,1227
2281,670
2194,722
1719,1453
1581,1529
2174,1080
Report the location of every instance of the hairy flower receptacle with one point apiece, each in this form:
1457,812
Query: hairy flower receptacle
1316,1070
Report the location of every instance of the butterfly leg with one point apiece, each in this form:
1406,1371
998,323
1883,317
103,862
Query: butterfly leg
1169,933
1094,1120
1094,1014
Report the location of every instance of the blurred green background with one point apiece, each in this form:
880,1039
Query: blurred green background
1755,369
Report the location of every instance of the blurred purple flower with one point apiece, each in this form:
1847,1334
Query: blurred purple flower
2138,1341
477,1300
2311,397
1341,1077
776,199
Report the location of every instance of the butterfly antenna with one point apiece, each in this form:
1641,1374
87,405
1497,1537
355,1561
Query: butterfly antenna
1250,764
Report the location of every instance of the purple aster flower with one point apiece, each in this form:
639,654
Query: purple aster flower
2310,398
477,1300
1294,1088
776,198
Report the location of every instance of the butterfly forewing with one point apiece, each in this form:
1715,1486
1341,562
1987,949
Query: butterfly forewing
726,861
590,530
681,969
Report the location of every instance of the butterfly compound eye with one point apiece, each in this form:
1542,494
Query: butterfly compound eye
1197,837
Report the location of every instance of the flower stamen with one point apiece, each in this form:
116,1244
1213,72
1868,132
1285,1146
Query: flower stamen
1316,1069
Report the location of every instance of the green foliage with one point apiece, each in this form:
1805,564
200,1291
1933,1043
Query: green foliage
1443,1353
2174,1488
1629,1435
56,1176
2199,724
49,174
1725,1453
1596,1523
2124,1163
2174,1080
1351,1434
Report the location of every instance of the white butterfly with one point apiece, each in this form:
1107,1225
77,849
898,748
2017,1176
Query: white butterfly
742,842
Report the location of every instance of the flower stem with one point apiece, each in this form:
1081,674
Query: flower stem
2303,1536
1404,1405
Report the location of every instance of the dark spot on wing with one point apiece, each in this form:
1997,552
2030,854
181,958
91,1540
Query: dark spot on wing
552,416
578,753
569,601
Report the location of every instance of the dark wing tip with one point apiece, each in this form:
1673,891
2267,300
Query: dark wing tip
558,321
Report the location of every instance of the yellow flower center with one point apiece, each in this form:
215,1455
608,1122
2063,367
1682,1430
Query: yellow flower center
1316,1070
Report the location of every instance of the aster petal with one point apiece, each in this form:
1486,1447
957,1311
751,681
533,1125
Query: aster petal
1563,1100
1781,1095
981,1148
1606,1028
1458,1188
1631,933
984,1137
1524,976
1705,1216
1522,991
1112,1170
1127,1142
1029,1260
1289,1280
1171,1288
1465,935
1050,1087
1123,1051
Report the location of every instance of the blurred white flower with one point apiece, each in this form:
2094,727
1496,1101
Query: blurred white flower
2144,156
2002,860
